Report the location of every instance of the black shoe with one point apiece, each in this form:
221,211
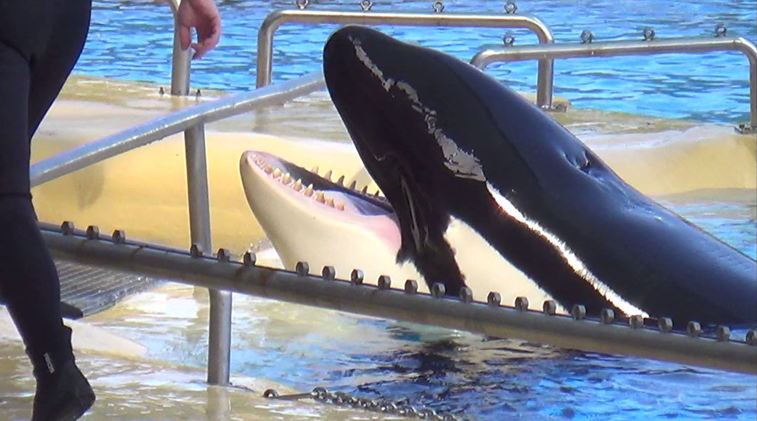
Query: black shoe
64,396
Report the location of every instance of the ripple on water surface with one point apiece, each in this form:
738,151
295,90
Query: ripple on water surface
709,87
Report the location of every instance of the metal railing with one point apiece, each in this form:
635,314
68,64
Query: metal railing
605,335
274,20
192,122
626,48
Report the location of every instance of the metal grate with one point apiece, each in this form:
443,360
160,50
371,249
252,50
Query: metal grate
86,290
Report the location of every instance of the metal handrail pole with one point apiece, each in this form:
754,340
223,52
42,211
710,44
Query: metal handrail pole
180,59
493,320
277,18
219,322
134,137
626,48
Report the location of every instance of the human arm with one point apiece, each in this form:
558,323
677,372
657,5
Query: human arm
204,17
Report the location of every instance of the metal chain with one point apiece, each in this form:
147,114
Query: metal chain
401,407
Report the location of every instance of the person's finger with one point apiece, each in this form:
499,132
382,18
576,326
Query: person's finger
208,37
199,51
210,33
185,37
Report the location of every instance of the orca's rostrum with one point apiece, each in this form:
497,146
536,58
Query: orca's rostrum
443,140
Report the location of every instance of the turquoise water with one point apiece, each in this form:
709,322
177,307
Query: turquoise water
133,40
453,372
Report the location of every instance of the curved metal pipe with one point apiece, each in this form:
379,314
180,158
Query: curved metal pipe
627,48
181,59
274,20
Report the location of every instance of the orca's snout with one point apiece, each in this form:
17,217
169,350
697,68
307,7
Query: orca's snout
341,44
357,54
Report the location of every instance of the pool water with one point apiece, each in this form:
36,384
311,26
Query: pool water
480,378
133,40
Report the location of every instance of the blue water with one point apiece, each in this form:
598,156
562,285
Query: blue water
484,379
133,40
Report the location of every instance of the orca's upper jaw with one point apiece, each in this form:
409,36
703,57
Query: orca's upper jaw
298,181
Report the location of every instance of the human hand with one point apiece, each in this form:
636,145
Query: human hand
202,15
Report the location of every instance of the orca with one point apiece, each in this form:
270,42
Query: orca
445,142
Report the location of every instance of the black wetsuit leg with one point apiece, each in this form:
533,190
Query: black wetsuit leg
40,41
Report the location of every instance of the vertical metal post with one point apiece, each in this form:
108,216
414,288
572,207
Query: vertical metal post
219,342
544,84
752,91
180,62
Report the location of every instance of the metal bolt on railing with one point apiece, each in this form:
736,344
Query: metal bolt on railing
302,269
357,277
67,228
411,286
751,338
511,7
587,36
508,39
648,34
693,329
607,316
723,334
249,259
195,251
578,312
466,295
494,299
438,6
720,30
119,236
302,4
223,255
549,307
93,232
438,290
636,322
328,273
665,324
521,303
366,5
384,282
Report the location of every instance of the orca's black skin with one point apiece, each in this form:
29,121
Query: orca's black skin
433,130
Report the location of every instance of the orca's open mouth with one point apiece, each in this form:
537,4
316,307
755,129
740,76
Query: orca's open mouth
318,190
